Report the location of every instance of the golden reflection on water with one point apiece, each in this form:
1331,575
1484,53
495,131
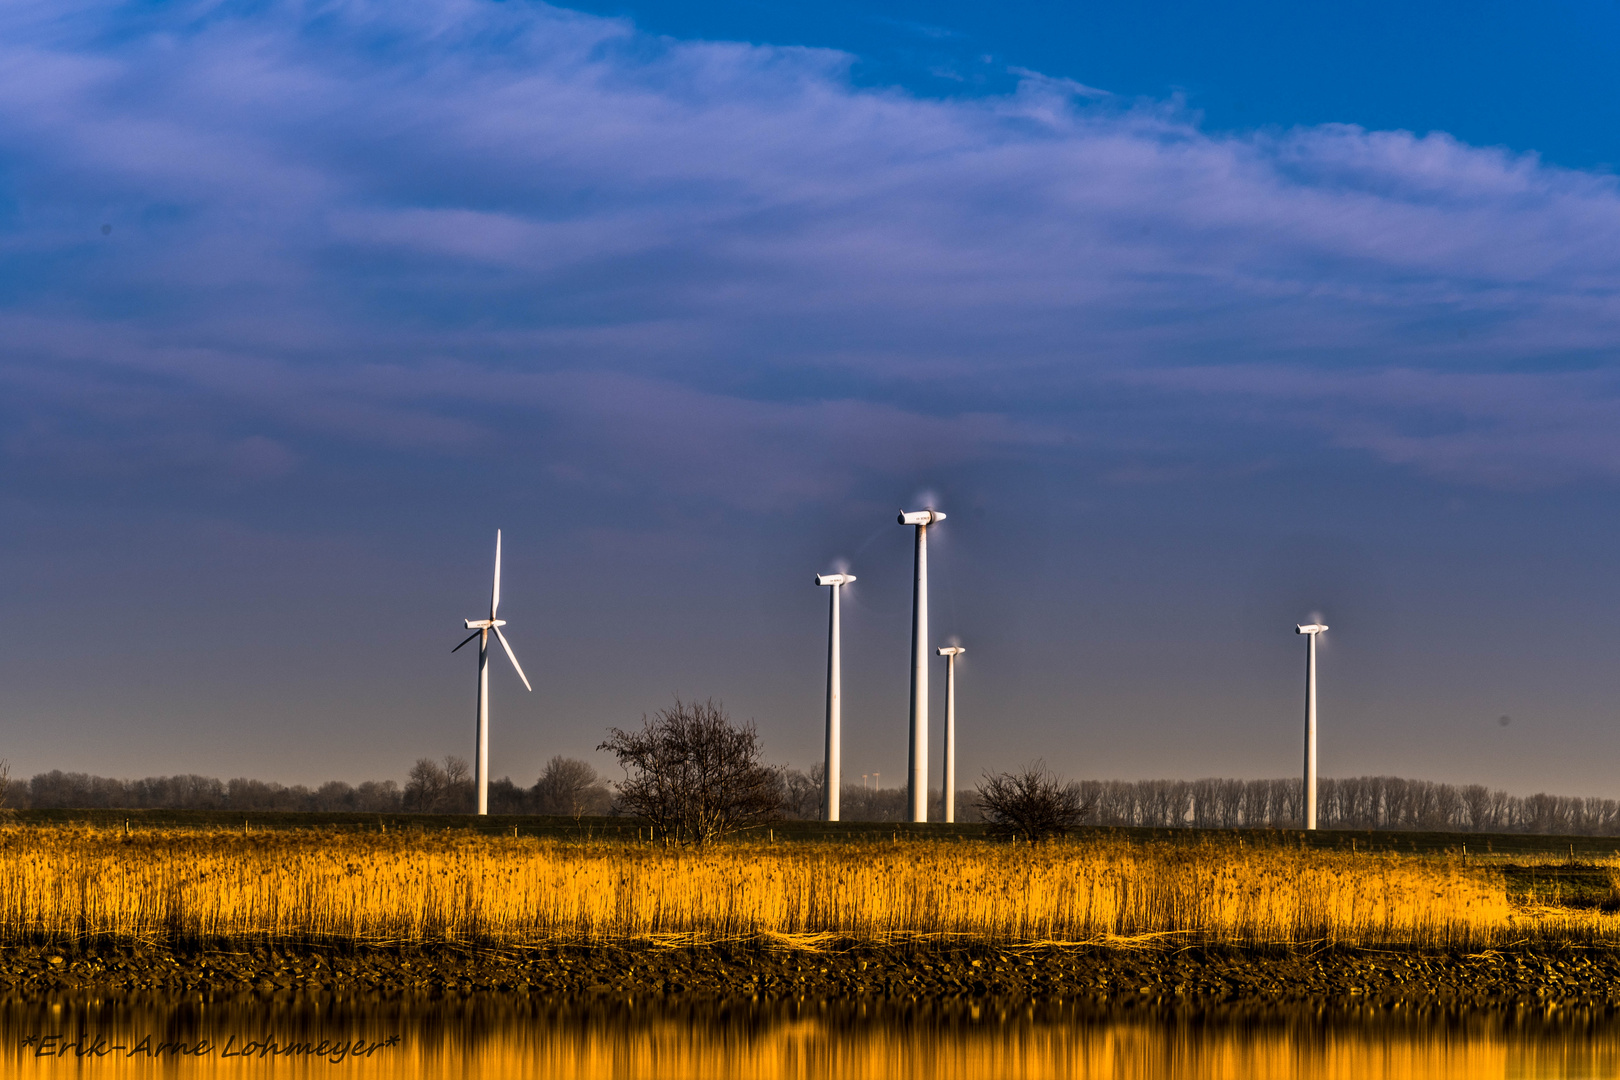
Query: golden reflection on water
520,1038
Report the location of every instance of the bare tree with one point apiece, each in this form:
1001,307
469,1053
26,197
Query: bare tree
858,802
802,793
379,796
1032,804
570,787
694,776
435,789
424,786
460,797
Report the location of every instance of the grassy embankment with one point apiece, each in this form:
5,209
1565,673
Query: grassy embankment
211,886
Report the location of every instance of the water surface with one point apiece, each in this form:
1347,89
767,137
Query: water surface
78,1034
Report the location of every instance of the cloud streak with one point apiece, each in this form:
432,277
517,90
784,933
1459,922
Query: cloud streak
442,229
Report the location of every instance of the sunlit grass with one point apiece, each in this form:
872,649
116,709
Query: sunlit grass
64,883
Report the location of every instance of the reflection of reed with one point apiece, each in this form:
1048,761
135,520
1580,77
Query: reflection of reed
66,883
518,1039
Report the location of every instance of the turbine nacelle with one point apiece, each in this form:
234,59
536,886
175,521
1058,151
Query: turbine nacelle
834,579
950,650
921,517
483,624
1310,628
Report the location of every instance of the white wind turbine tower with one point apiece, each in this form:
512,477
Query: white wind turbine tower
481,629
1309,795
917,772
831,772
950,653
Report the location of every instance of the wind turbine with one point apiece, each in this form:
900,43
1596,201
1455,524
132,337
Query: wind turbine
950,653
1310,630
480,629
917,779
830,773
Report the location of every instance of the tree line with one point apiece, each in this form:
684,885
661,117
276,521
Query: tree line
567,787
1359,802
574,788
694,775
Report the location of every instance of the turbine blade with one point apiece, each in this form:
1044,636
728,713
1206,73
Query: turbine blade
510,655
474,634
495,593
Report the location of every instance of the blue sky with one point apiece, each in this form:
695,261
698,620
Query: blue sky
1531,77
1195,327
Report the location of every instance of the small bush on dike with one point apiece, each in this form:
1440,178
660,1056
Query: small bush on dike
694,776
1030,805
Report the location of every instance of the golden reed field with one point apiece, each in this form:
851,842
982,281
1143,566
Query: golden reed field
75,883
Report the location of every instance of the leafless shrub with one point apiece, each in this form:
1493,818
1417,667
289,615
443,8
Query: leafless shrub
1030,805
694,776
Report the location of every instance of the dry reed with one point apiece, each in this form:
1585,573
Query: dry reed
60,884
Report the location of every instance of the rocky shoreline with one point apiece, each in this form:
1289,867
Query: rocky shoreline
1562,976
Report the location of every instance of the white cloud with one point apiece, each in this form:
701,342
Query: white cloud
319,211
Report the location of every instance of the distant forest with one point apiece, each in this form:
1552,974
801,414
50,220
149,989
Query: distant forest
1361,802
573,788
567,787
